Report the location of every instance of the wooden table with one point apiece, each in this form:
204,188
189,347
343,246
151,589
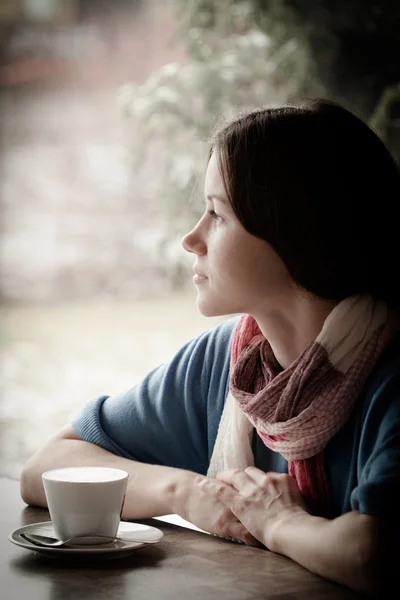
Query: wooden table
186,564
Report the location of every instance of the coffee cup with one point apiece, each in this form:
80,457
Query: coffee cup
85,502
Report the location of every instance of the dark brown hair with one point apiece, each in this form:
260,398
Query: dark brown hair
317,183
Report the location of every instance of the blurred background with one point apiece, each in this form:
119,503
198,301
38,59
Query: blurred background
105,112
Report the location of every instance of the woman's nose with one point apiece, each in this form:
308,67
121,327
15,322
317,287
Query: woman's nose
192,242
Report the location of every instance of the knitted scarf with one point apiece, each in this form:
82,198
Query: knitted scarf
296,411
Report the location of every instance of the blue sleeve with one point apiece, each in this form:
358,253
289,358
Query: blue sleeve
170,418
378,490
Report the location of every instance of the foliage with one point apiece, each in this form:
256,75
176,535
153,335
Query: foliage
353,44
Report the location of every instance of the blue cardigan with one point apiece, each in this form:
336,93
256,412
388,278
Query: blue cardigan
171,418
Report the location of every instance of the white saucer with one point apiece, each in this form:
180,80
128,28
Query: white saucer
109,550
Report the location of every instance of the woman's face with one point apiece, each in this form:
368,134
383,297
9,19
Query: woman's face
235,272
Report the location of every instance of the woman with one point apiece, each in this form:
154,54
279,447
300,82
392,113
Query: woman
279,427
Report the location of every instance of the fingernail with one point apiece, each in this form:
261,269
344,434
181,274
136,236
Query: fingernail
199,480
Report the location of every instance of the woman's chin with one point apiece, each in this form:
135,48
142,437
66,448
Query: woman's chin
206,311
209,309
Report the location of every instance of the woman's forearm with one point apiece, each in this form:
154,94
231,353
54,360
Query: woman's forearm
151,490
344,550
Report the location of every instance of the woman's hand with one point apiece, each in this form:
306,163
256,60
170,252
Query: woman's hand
259,500
206,511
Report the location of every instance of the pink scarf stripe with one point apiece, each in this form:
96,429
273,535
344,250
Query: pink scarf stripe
312,483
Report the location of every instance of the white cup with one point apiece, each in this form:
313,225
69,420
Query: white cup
85,501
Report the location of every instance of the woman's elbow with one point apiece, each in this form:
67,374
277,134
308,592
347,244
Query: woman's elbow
51,455
25,486
31,487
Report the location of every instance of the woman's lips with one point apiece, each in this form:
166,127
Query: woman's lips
199,277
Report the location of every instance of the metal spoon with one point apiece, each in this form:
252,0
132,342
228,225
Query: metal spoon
51,542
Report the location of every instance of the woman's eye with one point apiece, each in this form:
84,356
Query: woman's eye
213,215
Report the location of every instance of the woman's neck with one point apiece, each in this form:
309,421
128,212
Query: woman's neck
294,326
